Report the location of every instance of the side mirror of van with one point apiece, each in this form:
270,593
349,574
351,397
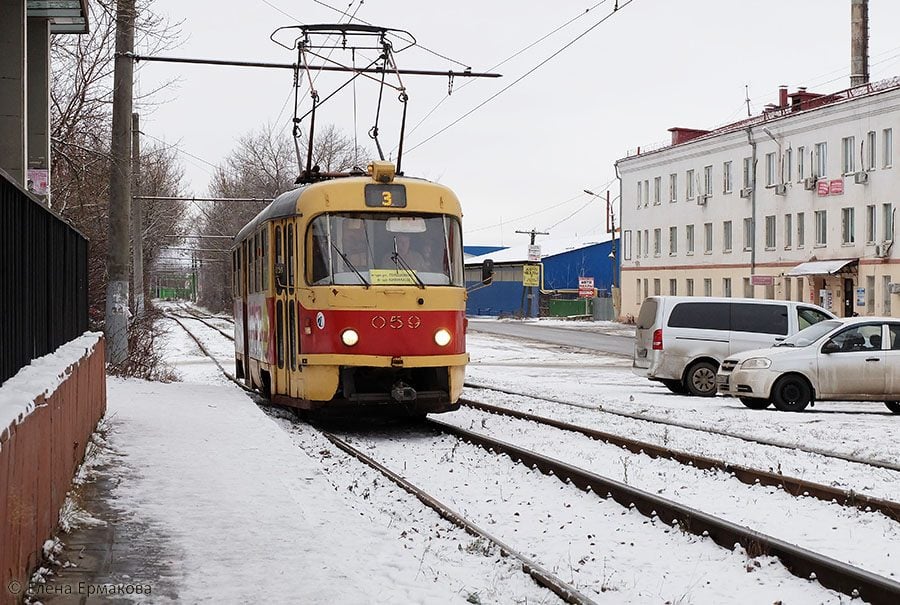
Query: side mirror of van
487,272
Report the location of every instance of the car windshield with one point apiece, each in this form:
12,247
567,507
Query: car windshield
809,335
379,248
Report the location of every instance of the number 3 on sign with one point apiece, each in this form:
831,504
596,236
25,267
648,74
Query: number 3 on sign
386,199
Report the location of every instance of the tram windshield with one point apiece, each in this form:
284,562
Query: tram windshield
377,248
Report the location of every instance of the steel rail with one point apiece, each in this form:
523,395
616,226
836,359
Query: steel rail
692,427
206,352
799,561
750,476
541,576
206,323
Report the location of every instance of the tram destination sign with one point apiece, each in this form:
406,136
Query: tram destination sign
385,196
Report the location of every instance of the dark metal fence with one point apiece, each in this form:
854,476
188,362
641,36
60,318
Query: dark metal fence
43,280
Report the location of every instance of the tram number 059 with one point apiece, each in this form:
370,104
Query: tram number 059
396,322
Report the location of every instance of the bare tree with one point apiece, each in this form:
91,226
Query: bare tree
263,165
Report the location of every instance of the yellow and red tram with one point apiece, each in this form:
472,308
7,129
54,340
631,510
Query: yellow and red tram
351,291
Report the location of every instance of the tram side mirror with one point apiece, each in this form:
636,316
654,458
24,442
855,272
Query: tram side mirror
279,275
487,272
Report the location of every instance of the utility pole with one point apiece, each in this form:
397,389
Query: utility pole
527,292
120,188
137,218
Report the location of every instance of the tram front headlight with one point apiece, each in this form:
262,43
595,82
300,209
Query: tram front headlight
442,337
349,337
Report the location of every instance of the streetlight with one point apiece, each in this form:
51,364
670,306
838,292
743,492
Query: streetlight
611,227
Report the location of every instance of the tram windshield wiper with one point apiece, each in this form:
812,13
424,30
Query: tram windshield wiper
349,264
402,264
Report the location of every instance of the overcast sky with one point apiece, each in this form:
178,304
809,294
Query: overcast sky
523,159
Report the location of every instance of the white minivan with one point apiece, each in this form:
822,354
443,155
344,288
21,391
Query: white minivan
681,340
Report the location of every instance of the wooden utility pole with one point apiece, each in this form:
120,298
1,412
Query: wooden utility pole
120,188
527,293
137,217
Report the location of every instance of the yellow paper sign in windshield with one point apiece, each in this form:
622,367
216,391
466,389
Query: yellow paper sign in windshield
531,275
390,277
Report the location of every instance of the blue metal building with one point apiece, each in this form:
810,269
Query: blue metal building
564,261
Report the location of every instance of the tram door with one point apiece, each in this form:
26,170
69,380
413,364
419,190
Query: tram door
285,312
244,286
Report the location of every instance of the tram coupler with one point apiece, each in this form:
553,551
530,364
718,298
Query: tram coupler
403,392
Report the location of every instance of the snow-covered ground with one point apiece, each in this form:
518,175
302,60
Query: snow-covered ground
252,498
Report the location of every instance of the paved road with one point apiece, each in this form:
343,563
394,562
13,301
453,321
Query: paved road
585,339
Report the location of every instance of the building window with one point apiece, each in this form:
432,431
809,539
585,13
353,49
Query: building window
770,232
673,187
887,217
726,236
657,190
801,230
657,244
726,287
639,243
707,286
689,235
673,241
646,192
788,233
848,227
748,173
870,150
787,166
689,286
673,287
821,160
787,288
656,287
848,155
708,238
886,294
689,185
870,294
707,180
821,228
646,242
646,289
887,153
870,224
748,234
640,193
770,169
726,178
626,244
748,288
801,163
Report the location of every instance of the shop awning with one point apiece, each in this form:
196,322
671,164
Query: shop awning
821,267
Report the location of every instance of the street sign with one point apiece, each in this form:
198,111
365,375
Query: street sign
585,287
822,187
531,275
534,253
836,187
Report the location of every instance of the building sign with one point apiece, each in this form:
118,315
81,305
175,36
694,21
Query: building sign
826,298
822,187
38,180
860,297
531,275
585,287
534,253
836,187
762,280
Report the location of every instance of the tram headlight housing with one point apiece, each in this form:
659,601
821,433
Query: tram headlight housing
442,337
349,337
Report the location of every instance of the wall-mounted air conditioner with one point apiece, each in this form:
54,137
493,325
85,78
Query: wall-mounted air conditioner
809,183
702,198
894,288
781,189
746,191
861,178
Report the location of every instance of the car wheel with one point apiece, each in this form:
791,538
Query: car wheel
755,403
701,379
893,406
676,386
791,394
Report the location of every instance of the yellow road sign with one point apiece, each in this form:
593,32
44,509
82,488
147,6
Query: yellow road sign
531,275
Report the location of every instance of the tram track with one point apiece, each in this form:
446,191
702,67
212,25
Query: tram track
747,475
879,464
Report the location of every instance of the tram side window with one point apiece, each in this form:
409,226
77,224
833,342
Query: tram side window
234,273
318,265
279,258
256,262
264,269
290,257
